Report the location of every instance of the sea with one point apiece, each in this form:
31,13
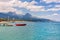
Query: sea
32,31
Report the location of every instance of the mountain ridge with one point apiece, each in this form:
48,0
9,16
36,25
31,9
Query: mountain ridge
26,17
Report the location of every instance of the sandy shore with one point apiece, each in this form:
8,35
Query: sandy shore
3,22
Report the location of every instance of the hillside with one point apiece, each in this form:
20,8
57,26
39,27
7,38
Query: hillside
26,17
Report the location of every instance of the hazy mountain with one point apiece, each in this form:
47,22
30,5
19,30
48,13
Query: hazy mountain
27,17
10,15
3,15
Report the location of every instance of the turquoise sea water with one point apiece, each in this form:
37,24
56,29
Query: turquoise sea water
32,31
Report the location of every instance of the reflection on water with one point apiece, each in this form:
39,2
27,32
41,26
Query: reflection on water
32,31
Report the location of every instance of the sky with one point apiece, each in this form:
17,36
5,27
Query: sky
49,9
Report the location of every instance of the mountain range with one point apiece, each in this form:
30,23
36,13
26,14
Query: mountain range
26,17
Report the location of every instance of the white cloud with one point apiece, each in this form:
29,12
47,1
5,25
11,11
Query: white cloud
5,0
19,12
33,2
35,8
49,1
9,4
57,6
7,10
54,16
30,6
54,9
21,4
6,6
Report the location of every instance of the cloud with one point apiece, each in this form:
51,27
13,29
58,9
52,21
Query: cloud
51,7
5,0
30,6
19,12
54,16
49,1
58,6
33,2
35,8
54,9
6,6
6,10
9,5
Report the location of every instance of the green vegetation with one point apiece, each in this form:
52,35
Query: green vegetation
2,19
10,19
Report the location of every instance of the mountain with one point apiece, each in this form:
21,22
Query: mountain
29,17
26,17
3,15
10,15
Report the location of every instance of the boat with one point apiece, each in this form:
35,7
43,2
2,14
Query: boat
20,24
